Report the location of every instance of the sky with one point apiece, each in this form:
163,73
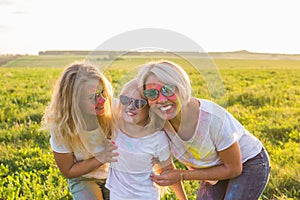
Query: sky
264,26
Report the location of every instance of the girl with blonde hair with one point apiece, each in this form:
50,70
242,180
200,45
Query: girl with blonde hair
81,122
143,148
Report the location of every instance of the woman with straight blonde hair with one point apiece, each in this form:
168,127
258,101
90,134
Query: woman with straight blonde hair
215,147
81,123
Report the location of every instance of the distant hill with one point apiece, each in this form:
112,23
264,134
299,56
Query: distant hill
256,56
6,58
243,54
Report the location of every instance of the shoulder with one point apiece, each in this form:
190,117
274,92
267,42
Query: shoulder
59,146
159,136
212,108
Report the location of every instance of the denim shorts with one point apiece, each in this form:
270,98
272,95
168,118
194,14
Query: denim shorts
88,189
247,186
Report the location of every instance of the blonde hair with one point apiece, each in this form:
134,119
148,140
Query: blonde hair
64,117
169,73
153,123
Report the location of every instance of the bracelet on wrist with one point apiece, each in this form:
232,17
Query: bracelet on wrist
181,175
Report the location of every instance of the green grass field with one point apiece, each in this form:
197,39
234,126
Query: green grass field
264,95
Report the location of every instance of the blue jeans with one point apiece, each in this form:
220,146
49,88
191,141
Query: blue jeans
88,189
247,186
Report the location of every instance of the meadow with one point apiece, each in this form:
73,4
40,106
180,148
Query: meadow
264,95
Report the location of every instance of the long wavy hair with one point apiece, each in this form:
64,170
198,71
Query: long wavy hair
64,117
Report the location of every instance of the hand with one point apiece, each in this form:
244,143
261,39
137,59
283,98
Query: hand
107,155
154,161
166,178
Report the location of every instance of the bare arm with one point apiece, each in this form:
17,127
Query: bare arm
232,167
177,187
71,169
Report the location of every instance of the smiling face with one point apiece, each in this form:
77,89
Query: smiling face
130,112
166,106
91,98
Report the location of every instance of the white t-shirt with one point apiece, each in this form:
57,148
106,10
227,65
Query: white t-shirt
95,138
129,178
216,130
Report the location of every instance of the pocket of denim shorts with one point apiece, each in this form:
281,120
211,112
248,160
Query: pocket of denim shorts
258,159
75,185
